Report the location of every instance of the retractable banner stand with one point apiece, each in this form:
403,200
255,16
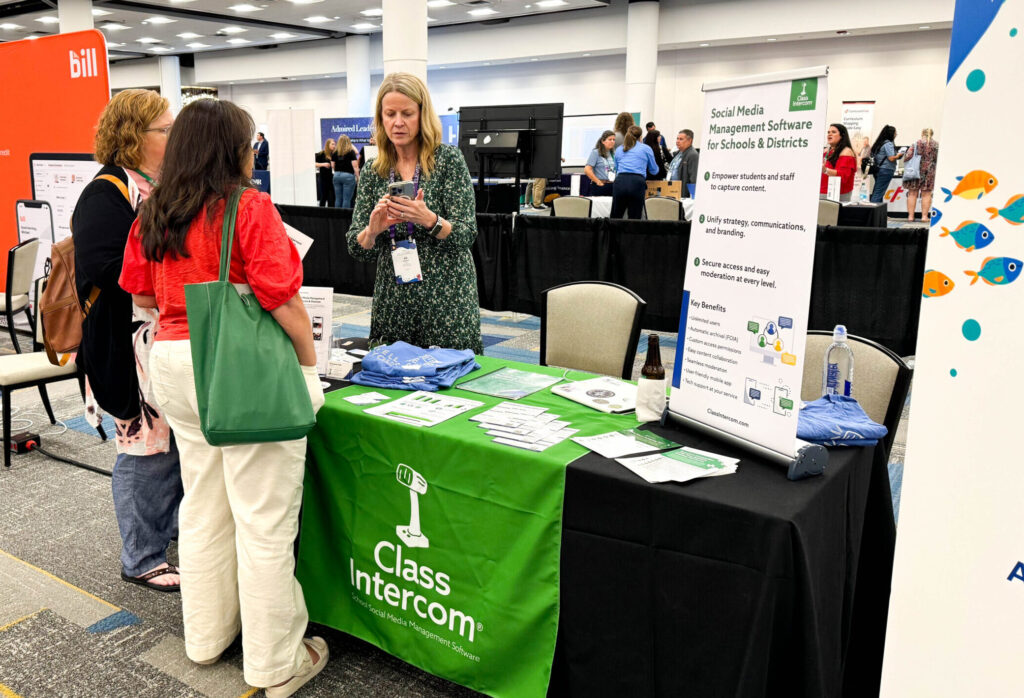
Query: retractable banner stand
745,303
858,118
957,604
55,89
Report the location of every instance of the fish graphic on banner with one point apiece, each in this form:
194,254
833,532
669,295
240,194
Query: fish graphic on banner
973,185
936,284
969,236
996,271
1012,212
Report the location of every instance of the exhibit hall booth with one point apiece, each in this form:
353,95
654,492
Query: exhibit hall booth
682,483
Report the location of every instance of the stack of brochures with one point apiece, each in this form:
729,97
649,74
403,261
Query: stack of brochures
678,465
523,426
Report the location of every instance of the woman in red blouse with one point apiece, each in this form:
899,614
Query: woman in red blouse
239,516
839,161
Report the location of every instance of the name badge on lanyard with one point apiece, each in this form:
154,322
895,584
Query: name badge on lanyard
404,256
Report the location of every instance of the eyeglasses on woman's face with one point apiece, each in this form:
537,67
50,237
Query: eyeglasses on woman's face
166,130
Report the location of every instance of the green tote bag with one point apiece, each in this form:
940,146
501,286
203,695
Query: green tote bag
249,385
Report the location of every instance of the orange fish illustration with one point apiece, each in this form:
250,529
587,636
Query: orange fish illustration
973,185
936,284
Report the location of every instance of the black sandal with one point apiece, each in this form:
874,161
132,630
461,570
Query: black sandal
145,580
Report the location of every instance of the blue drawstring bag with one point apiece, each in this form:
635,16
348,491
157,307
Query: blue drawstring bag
837,420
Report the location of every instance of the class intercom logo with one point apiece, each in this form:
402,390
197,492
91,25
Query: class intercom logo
414,590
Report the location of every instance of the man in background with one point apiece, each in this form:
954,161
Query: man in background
683,167
261,152
661,139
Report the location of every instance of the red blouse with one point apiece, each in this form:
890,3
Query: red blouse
262,256
846,165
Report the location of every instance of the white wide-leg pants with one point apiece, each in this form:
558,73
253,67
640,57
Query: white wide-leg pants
238,522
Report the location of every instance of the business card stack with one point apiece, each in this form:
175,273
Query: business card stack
523,426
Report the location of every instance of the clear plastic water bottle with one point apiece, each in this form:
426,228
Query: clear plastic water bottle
863,191
838,374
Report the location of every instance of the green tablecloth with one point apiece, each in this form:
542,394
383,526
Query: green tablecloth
479,604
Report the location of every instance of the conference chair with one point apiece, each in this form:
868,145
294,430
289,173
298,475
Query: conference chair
28,370
663,208
828,212
881,379
21,263
591,326
572,206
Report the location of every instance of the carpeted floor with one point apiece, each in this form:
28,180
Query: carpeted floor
70,627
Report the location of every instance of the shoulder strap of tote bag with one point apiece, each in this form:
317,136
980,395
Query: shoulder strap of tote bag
228,231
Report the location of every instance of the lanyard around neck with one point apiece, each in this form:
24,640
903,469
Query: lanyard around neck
144,176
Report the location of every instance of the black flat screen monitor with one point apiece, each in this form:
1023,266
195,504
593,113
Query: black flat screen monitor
541,127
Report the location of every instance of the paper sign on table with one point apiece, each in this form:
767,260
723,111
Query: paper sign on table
626,442
423,409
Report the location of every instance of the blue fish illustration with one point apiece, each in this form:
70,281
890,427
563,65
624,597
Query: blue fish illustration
997,271
1012,213
969,236
936,216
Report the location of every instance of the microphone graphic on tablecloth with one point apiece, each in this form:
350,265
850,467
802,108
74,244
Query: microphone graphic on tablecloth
411,535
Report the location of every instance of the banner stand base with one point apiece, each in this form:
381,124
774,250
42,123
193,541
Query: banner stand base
808,461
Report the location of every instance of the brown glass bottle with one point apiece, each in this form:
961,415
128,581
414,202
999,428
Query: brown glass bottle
652,367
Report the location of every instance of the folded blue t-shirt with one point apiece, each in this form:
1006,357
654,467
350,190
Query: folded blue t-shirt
403,366
837,420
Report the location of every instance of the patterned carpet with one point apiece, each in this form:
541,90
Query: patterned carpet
70,627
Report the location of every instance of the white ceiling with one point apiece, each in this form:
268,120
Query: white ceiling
212,25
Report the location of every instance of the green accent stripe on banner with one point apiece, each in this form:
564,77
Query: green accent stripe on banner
437,545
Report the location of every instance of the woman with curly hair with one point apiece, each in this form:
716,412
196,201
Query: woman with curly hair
117,336
622,123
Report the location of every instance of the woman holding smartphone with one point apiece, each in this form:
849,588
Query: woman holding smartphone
415,215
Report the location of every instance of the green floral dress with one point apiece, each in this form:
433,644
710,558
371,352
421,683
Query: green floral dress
444,308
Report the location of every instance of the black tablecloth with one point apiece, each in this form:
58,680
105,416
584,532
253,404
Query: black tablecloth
864,215
857,271
740,586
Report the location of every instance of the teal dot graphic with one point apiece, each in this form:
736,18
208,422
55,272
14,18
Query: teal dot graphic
1013,32
952,372
971,330
976,80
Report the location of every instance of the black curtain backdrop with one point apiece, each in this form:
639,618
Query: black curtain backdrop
868,279
328,262
494,257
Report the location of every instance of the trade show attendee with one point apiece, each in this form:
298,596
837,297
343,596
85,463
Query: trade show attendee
884,155
239,516
261,152
633,162
114,354
683,166
324,175
622,123
346,169
661,139
653,141
540,185
367,152
838,161
600,168
928,149
431,298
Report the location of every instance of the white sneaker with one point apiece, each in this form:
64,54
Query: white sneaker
306,672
